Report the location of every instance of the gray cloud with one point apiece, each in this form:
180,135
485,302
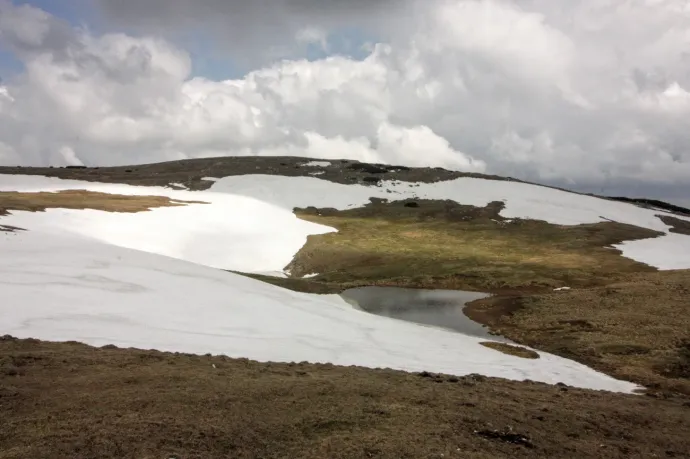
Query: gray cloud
592,95
256,31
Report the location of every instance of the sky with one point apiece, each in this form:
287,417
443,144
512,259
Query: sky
592,95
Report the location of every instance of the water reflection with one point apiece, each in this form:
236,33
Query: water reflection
440,308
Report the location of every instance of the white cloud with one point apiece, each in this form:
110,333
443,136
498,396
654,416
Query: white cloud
582,92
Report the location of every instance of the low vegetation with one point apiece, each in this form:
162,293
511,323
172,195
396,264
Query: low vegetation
82,199
69,400
442,244
637,329
677,225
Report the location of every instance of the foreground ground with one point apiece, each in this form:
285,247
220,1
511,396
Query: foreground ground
73,401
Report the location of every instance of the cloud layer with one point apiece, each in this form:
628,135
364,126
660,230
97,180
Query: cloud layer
592,92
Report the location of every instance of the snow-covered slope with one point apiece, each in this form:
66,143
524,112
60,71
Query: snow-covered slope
249,225
231,231
68,287
73,275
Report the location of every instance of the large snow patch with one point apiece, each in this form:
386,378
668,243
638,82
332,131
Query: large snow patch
67,287
250,226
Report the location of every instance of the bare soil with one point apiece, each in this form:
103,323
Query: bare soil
68,400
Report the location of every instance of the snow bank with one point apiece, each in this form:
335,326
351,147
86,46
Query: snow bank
235,232
67,287
671,251
232,231
521,201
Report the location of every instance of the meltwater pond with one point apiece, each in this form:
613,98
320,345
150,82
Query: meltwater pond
439,308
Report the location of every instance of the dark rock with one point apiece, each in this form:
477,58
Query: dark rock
507,437
412,204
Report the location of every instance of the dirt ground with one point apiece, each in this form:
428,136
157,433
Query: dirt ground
72,401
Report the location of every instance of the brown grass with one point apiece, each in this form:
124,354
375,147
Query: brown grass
73,401
517,351
82,199
446,245
636,329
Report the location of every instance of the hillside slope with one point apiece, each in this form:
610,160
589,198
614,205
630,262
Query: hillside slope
138,257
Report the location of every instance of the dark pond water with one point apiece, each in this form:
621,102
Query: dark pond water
439,308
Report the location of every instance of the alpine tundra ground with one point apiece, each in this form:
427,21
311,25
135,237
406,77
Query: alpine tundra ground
69,400
620,316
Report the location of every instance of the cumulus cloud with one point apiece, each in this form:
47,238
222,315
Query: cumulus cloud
594,93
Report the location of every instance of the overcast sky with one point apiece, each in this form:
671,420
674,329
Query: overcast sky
590,94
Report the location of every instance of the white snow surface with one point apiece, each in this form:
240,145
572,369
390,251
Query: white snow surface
60,286
671,251
249,225
232,231
317,164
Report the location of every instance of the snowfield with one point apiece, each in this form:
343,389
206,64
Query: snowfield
147,279
67,287
249,225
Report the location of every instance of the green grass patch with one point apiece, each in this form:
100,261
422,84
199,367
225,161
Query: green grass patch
441,244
